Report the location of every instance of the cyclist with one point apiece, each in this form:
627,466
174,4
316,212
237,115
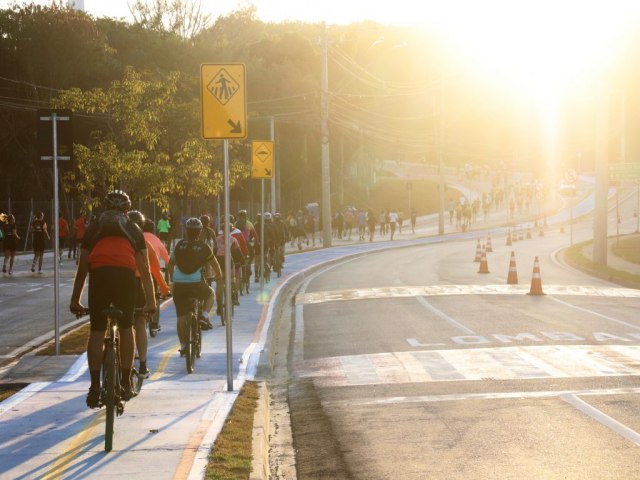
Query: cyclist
269,241
251,238
240,257
186,269
282,235
113,248
164,230
220,256
139,319
155,246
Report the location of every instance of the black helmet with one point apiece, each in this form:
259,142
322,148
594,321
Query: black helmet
117,200
194,224
205,219
136,217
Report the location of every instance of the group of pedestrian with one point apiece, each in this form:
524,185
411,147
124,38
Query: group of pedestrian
70,235
349,219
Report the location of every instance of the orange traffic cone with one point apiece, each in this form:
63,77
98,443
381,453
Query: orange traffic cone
536,281
478,252
521,234
509,242
489,247
484,267
541,232
512,278
528,233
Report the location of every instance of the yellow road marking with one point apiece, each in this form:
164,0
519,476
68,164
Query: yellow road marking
163,362
65,459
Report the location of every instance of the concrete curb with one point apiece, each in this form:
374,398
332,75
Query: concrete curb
260,436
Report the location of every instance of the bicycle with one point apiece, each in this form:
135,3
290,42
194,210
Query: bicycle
221,299
111,396
193,334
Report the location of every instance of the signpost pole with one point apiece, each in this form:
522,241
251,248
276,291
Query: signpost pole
261,237
227,269
56,215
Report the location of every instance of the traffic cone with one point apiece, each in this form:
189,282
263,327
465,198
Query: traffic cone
478,252
536,281
562,228
509,242
521,234
528,233
541,232
484,267
489,247
512,278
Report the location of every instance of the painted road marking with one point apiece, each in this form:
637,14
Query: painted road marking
457,397
437,290
505,363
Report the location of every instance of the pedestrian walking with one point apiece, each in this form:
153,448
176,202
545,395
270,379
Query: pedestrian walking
10,242
40,235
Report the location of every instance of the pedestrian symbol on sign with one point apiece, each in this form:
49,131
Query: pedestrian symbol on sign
223,86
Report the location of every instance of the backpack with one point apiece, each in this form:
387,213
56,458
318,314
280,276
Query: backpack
189,256
113,223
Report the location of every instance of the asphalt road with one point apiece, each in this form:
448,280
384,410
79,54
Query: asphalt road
410,364
28,306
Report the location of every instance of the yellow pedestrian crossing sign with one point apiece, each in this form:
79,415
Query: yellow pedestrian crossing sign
223,101
262,159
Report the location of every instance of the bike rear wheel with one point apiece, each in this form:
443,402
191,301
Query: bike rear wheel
194,341
189,357
111,401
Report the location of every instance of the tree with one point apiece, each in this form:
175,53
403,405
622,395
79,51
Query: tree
184,18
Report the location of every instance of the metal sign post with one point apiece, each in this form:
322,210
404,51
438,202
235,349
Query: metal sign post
224,117
262,155
45,154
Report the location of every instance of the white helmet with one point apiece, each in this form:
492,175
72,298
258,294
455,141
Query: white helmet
267,216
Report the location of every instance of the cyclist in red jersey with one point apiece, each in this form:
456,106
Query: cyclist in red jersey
112,250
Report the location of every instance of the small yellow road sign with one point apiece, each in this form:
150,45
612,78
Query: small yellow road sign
223,101
262,159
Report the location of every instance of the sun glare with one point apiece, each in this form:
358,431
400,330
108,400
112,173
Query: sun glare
537,46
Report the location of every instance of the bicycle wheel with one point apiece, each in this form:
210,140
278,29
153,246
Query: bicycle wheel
198,340
110,385
193,340
189,346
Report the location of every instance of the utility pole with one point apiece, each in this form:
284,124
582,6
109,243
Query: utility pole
272,128
602,179
324,138
441,158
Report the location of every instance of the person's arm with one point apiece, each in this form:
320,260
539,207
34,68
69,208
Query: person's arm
78,283
217,271
142,265
154,267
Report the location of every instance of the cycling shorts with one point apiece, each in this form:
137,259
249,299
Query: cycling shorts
111,286
182,292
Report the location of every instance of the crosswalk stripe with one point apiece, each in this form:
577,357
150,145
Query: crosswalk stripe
528,362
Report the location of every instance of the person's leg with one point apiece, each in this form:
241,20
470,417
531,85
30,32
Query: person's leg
33,262
140,326
40,258
11,260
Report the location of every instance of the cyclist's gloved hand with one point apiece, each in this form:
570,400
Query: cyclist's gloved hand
77,308
150,308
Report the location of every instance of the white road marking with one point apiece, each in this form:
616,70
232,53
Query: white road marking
591,312
500,363
437,290
601,417
450,320
34,289
457,397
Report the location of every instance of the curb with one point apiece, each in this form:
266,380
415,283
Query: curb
260,436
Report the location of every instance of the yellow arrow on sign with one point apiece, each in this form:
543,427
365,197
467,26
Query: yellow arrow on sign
262,159
223,100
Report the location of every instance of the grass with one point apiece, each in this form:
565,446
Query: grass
8,389
231,455
575,258
628,249
74,343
